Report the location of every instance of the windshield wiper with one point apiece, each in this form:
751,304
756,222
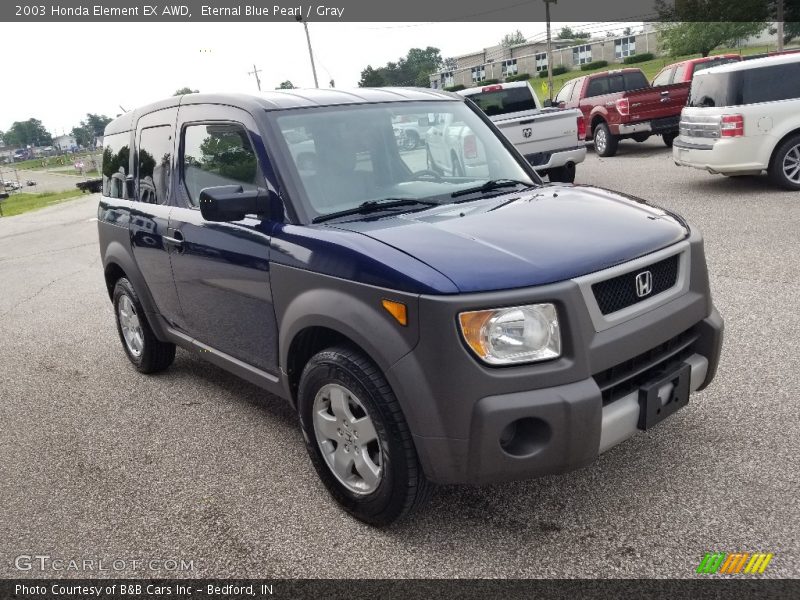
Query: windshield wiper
371,206
490,185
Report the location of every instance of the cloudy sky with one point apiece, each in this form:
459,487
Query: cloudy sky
59,72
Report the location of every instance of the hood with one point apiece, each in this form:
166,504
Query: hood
527,238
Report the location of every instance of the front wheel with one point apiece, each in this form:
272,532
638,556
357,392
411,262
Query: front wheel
785,167
358,439
668,138
605,143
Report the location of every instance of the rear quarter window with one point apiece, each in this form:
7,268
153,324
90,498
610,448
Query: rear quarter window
117,182
751,86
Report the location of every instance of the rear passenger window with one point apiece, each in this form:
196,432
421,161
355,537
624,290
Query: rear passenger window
664,77
116,165
155,153
217,154
597,87
770,84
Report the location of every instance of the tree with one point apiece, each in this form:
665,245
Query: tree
699,26
701,38
627,31
411,70
566,33
90,129
582,35
286,85
185,90
23,133
513,39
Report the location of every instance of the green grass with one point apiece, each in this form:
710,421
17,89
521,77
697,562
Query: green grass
650,68
21,202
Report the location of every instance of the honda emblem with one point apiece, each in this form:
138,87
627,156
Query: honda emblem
644,284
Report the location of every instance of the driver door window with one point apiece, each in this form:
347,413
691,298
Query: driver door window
216,154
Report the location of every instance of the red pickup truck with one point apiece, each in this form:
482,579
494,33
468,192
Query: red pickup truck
622,104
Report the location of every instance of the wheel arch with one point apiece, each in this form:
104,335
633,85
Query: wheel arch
778,144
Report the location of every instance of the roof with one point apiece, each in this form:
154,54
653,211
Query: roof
745,65
286,99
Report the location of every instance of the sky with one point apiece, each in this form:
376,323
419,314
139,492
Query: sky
58,72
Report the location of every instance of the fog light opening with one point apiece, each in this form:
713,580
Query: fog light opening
525,437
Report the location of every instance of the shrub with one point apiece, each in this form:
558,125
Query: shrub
520,77
597,64
560,70
455,88
637,58
489,81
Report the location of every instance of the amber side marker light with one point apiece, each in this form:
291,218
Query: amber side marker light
397,310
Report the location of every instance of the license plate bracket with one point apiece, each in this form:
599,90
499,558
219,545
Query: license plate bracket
664,395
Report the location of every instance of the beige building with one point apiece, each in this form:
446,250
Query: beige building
501,62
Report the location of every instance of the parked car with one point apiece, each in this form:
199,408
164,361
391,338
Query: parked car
622,104
427,327
744,119
684,71
550,139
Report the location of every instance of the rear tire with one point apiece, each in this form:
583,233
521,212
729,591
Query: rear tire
668,138
357,438
784,170
565,174
144,350
605,143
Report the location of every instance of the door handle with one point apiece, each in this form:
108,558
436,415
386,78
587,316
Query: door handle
665,93
176,239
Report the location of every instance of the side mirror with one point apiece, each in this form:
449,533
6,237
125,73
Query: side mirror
232,203
548,103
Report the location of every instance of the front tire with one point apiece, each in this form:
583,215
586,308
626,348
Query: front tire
144,350
785,167
358,439
605,143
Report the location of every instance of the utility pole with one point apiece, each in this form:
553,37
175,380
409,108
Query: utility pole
310,52
549,50
255,72
780,25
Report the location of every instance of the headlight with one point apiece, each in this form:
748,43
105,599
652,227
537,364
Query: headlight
518,334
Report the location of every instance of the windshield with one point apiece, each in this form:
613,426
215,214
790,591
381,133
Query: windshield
346,156
504,101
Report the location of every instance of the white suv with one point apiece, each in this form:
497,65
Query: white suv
744,118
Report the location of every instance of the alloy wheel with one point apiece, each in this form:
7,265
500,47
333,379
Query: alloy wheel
131,326
791,164
347,439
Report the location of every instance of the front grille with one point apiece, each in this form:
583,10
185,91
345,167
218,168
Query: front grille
620,292
628,376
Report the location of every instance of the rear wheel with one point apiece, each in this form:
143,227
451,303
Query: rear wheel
605,143
144,350
565,174
668,138
785,167
358,439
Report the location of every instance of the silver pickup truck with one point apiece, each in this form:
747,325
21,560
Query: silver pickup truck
551,139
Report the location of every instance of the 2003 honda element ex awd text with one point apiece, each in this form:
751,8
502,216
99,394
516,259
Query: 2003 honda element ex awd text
429,326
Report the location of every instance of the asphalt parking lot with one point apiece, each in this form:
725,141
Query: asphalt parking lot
97,461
